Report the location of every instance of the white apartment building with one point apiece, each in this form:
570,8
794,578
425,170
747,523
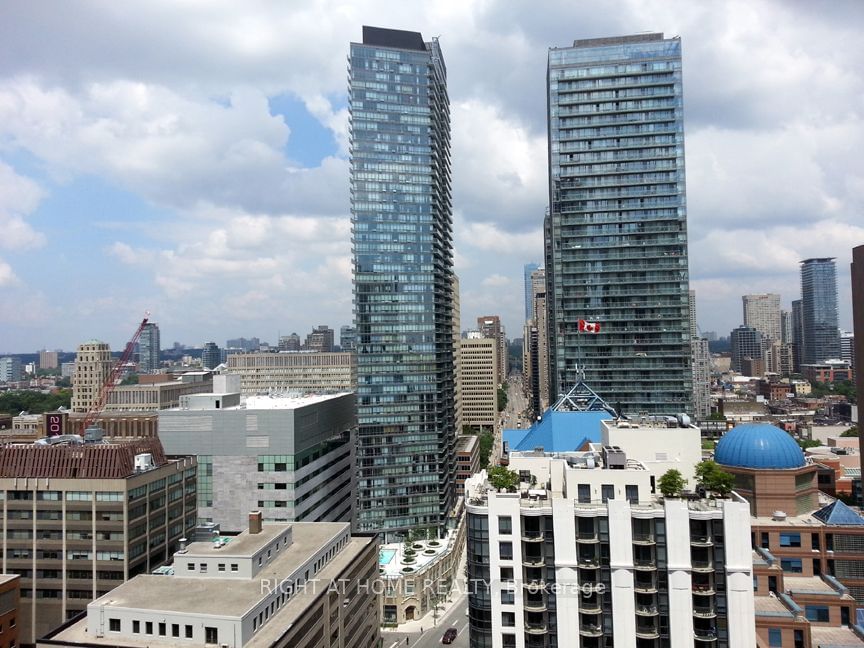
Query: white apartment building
762,312
586,550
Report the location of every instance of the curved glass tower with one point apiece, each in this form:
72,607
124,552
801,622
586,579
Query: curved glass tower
616,233
403,267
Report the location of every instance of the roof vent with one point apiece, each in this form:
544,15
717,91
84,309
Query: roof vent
778,516
182,548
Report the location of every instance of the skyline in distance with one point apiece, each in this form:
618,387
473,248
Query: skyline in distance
204,177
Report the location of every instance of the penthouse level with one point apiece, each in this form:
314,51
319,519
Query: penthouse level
298,584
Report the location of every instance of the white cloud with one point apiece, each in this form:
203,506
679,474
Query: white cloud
496,281
7,276
19,196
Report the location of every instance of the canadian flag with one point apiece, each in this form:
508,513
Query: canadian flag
589,327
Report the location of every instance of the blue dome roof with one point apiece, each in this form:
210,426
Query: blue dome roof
758,445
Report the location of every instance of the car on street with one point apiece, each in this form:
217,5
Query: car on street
449,635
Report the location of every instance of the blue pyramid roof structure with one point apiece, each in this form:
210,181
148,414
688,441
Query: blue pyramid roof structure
566,426
838,514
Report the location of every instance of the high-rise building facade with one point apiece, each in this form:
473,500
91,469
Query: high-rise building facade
320,339
762,312
528,270
797,332
49,359
490,327
857,272
211,356
93,365
347,338
10,369
148,349
616,233
745,342
535,349
821,337
402,234
478,363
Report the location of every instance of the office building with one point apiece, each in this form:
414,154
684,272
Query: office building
152,397
457,341
478,379
467,460
82,517
701,378
857,273
527,271
288,342
762,312
847,347
821,337
786,331
10,369
320,339
745,342
402,226
347,338
246,344
300,585
535,347
211,356
263,373
93,366
585,552
148,349
10,595
490,327
49,359
290,457
616,233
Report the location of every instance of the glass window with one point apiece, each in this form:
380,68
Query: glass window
775,637
791,565
505,550
816,613
631,492
607,492
114,625
505,525
583,493
790,539
507,597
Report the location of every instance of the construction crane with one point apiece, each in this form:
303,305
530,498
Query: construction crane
111,382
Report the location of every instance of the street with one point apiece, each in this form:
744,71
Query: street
455,617
512,416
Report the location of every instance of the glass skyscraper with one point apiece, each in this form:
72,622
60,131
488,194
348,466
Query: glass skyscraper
616,232
527,270
148,349
820,334
403,267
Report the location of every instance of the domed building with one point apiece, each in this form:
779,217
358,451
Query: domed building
770,469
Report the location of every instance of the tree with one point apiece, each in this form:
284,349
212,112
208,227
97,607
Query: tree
851,432
808,443
671,483
712,477
502,398
503,479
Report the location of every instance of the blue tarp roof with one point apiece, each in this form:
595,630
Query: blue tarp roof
558,432
837,514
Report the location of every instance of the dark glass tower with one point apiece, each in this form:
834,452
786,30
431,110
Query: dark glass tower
403,267
821,337
148,349
616,232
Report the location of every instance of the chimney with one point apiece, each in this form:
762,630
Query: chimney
255,518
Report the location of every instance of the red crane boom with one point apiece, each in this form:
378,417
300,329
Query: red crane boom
111,382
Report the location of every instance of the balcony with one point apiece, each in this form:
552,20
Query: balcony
588,563
534,584
645,587
703,566
647,632
533,561
701,540
704,611
586,537
534,604
532,536
590,630
590,607
703,589
645,564
703,634
535,627
643,539
647,610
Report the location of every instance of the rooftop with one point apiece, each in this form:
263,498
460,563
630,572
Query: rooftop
771,606
827,637
466,443
231,597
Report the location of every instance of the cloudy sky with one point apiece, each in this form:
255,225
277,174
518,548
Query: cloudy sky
189,158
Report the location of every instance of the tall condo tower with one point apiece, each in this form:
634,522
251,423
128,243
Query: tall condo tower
616,232
821,337
402,225
762,312
148,349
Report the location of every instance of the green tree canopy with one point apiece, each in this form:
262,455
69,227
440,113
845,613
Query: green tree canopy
503,479
671,483
712,477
